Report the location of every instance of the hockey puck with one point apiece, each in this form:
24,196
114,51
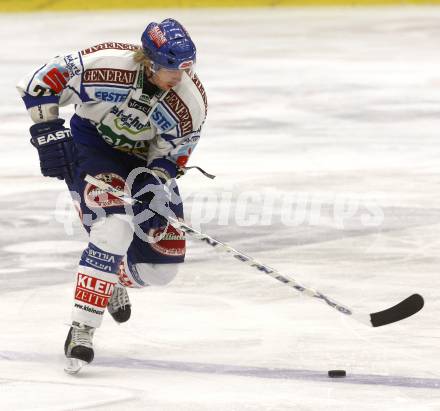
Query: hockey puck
337,373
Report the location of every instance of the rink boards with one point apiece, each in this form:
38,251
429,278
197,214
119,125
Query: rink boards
43,5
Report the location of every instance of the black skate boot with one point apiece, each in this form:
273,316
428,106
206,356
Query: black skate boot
119,305
78,347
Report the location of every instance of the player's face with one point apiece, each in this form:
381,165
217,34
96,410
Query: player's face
167,79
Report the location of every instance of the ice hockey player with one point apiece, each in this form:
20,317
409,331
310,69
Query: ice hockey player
138,116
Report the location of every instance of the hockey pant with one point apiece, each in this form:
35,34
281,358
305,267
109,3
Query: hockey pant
114,253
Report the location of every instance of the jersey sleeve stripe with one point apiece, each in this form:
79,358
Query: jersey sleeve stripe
32,101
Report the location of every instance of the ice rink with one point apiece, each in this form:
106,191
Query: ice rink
323,131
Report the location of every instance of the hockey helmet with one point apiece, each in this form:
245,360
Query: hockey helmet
168,45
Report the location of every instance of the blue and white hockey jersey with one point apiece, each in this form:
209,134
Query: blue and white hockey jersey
111,95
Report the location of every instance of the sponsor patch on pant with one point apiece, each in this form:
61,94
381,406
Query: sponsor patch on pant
172,242
124,279
95,197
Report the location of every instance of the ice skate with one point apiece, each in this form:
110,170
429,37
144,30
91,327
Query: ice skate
119,305
78,347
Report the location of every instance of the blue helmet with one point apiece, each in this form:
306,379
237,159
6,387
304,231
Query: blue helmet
168,45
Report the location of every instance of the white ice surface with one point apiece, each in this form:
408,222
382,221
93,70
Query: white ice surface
339,107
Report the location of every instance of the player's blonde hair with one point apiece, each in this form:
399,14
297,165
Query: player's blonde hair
140,57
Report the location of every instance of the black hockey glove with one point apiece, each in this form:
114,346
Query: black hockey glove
55,148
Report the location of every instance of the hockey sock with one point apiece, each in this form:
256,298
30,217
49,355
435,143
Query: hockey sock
95,282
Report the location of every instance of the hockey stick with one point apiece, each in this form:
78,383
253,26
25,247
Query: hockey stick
400,311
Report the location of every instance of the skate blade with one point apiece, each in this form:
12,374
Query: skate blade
73,366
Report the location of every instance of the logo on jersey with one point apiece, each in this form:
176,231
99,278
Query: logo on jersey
71,67
145,98
109,45
129,123
96,197
109,76
123,143
157,36
182,160
112,95
162,119
202,91
145,108
184,149
172,242
191,139
181,110
56,77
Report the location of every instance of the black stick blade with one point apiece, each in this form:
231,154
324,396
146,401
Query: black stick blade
404,309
